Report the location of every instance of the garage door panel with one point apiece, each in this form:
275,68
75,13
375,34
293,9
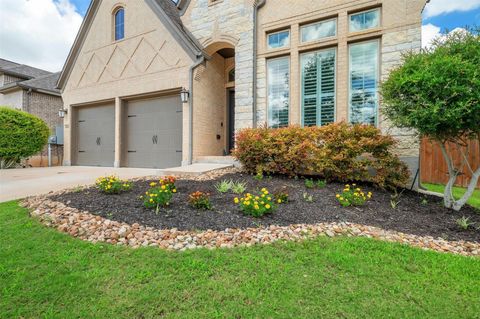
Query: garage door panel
154,133
96,136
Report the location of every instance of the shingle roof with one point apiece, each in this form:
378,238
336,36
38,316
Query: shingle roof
21,70
46,83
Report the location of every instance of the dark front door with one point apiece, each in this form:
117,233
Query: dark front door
231,120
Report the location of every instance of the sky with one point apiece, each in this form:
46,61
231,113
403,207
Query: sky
40,32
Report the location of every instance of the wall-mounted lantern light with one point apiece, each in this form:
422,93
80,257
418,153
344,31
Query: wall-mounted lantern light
184,94
62,113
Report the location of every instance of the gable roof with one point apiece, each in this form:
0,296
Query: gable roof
166,11
21,70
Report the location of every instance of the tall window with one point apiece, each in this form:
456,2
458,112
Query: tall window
278,91
318,87
364,20
363,78
119,24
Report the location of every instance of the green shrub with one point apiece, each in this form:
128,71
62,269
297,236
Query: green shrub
337,151
22,134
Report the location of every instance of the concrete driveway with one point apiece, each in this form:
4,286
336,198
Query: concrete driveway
20,183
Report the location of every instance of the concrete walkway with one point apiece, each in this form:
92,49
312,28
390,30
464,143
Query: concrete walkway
20,183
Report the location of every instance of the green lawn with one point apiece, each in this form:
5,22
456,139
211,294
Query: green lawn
457,193
46,274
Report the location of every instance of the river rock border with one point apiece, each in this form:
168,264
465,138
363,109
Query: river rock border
92,228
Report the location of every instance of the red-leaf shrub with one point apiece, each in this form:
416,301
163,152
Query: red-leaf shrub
337,151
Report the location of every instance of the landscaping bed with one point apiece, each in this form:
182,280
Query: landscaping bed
415,214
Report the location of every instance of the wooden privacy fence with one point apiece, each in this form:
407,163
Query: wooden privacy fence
433,168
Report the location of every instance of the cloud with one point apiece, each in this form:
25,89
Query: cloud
439,7
431,32
38,32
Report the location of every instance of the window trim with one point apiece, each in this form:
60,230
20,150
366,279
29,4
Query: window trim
114,22
278,32
379,9
379,72
301,42
302,79
288,58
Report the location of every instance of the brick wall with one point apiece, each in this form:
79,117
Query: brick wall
45,107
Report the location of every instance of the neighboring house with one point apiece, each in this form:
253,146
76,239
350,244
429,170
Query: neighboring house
245,63
34,91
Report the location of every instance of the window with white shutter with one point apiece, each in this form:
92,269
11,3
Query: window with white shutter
278,78
363,80
318,87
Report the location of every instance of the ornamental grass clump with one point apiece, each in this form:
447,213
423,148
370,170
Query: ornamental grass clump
112,185
353,196
256,205
200,200
160,194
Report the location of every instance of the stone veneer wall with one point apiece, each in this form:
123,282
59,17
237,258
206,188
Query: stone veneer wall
228,21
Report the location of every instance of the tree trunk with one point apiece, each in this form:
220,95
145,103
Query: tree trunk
448,198
457,205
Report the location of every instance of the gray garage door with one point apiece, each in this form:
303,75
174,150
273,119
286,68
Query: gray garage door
154,133
96,136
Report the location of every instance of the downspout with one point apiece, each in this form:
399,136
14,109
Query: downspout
258,5
200,60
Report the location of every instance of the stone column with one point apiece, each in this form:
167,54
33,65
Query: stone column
118,132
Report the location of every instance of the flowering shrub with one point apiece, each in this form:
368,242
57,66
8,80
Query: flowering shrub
200,200
281,197
160,194
256,206
337,151
112,185
169,182
353,196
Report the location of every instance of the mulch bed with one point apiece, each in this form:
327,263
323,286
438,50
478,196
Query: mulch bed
416,213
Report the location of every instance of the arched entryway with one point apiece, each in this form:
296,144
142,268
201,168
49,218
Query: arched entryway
214,102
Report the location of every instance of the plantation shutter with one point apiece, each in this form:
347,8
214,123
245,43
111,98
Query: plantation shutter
363,91
318,88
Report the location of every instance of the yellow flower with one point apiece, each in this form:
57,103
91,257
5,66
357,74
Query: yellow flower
269,198
256,207
341,198
264,189
152,184
267,206
347,186
174,190
279,201
354,185
263,195
257,198
163,187
265,192
151,200
236,200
